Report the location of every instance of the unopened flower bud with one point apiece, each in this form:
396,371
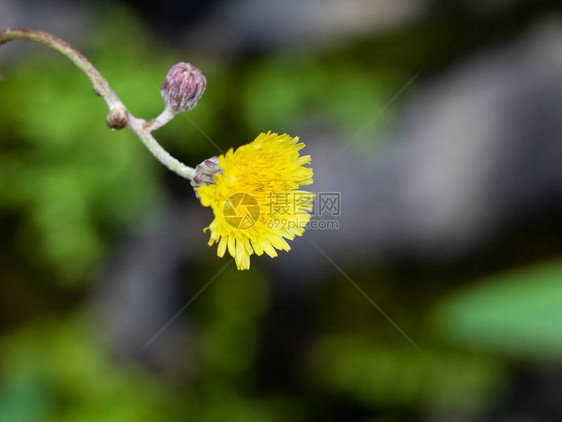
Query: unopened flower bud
205,173
117,118
183,88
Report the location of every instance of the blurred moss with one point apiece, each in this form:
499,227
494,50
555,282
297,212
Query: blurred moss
230,323
298,90
57,370
429,379
243,295
73,182
67,175
230,405
517,313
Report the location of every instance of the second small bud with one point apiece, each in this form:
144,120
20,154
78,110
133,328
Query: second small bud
183,88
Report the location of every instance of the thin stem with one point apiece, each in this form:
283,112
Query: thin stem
164,118
118,117
136,125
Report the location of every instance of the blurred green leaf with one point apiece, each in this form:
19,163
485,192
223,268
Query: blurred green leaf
518,312
24,396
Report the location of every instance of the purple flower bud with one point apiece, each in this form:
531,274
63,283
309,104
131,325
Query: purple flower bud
183,88
205,173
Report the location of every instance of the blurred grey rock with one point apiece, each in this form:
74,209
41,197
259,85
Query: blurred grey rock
235,25
143,289
478,152
481,148
65,19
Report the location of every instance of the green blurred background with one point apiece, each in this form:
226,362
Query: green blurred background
101,246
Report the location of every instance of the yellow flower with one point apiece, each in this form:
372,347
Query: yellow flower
255,199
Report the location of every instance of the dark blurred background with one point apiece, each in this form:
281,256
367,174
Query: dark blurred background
433,294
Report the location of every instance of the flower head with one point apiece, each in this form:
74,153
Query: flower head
256,200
